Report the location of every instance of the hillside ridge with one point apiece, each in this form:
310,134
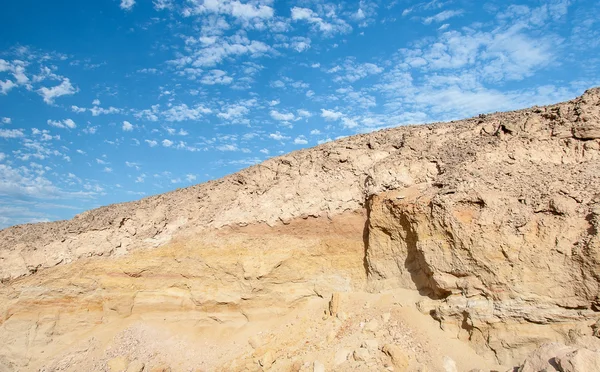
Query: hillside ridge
327,180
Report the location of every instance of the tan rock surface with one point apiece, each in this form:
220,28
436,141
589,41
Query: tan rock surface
493,220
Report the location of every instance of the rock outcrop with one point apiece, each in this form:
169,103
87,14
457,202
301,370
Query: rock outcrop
494,220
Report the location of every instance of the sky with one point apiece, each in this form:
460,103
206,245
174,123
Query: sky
109,101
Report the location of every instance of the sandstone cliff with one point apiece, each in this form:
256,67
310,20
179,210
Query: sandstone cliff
494,220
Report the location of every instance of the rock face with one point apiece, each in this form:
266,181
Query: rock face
506,238
494,220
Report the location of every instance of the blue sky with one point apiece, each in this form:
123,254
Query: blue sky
112,100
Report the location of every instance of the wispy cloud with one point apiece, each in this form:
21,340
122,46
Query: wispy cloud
443,16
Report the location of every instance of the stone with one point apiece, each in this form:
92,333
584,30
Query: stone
386,317
587,342
372,326
361,355
318,366
296,366
118,364
532,124
370,344
579,360
254,342
489,129
399,358
449,364
341,356
267,359
135,366
334,304
544,358
586,132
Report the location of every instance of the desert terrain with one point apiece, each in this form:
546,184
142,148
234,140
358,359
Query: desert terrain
464,246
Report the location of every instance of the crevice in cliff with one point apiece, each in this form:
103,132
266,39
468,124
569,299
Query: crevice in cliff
415,262
365,236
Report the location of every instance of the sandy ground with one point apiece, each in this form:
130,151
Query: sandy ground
371,332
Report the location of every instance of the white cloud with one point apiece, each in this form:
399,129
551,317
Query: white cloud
235,8
226,47
167,143
133,165
2,156
300,140
315,132
304,113
274,102
354,71
96,102
277,136
247,11
66,123
90,130
190,177
162,4
127,4
23,181
216,77
182,112
233,112
278,84
6,120
151,143
349,123
331,115
96,111
300,44
78,109
442,16
149,114
50,94
4,65
330,26
265,151
11,133
282,116
228,147
127,126
19,75
501,54
107,170
44,135
6,86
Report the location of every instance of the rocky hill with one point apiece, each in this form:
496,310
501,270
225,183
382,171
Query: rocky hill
448,246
